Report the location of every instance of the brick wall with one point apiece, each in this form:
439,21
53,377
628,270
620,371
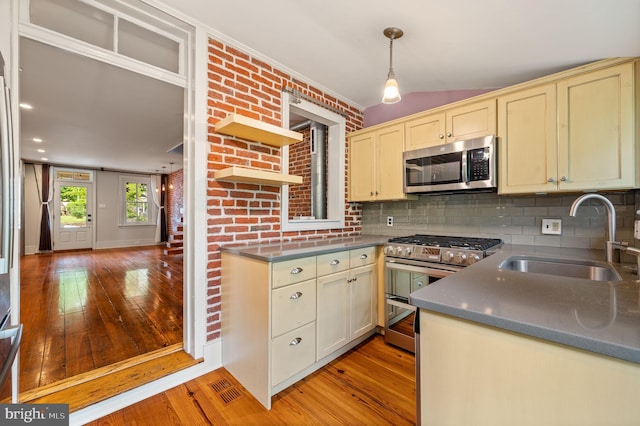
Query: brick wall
299,160
175,199
239,212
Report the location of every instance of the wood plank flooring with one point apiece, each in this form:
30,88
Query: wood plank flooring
84,310
374,384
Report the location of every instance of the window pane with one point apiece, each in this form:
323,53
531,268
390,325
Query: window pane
73,206
147,46
136,203
74,19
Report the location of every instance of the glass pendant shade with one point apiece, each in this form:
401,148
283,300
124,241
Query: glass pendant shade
391,91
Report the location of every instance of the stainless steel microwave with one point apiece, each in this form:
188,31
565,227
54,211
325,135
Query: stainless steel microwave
456,166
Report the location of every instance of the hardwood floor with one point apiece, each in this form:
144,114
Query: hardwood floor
374,384
84,310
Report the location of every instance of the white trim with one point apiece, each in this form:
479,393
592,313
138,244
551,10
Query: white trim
125,243
212,354
336,161
84,49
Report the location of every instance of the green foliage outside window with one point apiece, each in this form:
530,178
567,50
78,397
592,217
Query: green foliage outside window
137,203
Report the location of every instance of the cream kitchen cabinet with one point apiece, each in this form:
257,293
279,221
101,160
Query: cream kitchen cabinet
270,313
576,134
375,164
528,141
347,301
467,121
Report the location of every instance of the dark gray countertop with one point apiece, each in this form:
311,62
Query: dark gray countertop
293,250
602,317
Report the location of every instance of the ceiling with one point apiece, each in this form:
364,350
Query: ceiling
96,115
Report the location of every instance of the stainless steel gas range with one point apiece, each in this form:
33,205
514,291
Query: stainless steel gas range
418,260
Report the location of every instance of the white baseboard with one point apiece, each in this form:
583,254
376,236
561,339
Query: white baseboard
124,244
212,361
30,250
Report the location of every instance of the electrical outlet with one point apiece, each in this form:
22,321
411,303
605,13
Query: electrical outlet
636,230
389,220
552,226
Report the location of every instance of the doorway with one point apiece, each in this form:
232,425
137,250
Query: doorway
72,211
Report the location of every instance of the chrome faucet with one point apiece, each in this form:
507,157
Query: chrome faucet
611,244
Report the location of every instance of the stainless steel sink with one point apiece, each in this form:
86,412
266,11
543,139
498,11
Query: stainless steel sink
583,269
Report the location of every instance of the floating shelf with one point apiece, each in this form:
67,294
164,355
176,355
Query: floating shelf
254,130
259,177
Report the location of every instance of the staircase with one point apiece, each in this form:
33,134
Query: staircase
175,242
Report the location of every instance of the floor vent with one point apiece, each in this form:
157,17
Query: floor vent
226,391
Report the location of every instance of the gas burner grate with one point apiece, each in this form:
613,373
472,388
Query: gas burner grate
468,243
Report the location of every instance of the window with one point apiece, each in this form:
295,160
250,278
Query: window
331,197
136,204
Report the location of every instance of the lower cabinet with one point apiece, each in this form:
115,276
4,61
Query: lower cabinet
283,320
346,308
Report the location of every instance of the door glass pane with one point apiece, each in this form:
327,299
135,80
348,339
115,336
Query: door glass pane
73,206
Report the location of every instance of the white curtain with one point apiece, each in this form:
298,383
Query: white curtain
156,187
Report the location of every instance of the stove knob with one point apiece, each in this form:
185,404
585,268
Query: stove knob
447,256
388,250
408,251
460,258
473,259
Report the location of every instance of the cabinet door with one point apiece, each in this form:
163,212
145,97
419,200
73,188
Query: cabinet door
527,151
424,131
389,163
333,313
471,121
361,167
363,300
596,139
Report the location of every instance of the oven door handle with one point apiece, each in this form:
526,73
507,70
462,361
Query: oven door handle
432,272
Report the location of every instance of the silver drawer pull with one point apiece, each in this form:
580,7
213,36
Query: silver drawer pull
295,341
296,295
363,256
296,270
334,262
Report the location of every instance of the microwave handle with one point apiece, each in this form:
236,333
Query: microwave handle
465,172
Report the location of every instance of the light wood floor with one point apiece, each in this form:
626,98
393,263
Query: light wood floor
373,384
84,310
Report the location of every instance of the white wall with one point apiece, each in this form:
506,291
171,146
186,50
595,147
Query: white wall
108,232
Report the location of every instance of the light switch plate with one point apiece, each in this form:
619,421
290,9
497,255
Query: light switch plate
552,226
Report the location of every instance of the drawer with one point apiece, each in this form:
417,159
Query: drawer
293,271
332,262
361,257
292,353
293,306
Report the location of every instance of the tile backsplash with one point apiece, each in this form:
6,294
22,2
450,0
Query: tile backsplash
514,219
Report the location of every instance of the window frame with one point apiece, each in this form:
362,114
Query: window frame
336,128
122,197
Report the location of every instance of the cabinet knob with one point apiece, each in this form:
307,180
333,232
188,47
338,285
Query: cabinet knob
441,136
295,341
296,295
295,271
449,134
334,262
563,179
363,256
551,180
371,193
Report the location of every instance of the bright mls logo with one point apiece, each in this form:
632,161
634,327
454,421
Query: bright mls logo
34,414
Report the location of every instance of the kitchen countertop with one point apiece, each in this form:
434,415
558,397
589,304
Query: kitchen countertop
602,317
276,252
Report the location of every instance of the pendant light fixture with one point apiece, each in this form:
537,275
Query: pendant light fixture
391,92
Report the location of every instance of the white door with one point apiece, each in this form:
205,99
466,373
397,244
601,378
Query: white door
72,215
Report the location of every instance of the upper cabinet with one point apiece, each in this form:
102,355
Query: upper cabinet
467,121
375,164
573,134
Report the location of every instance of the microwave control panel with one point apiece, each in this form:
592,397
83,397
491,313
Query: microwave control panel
478,163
